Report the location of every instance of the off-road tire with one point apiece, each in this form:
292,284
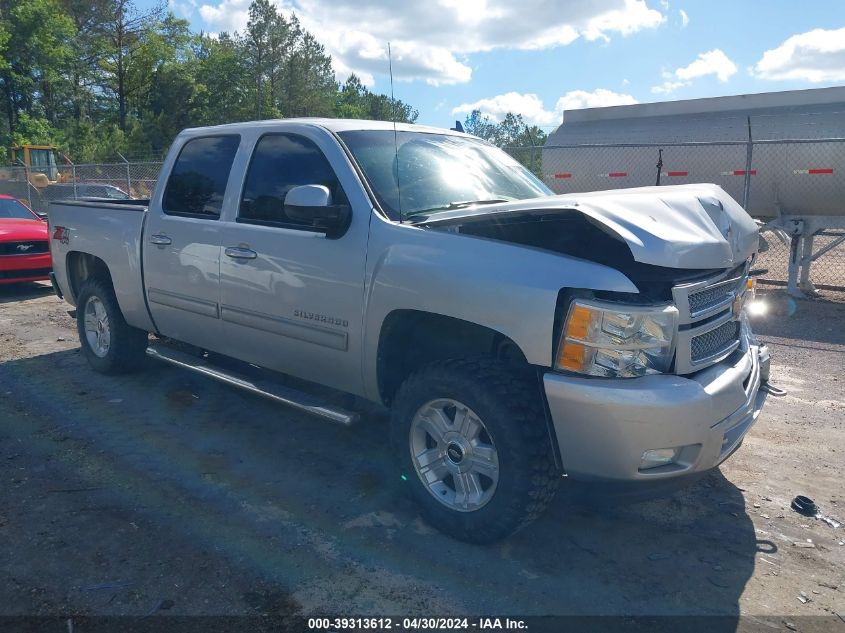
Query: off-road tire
507,400
127,347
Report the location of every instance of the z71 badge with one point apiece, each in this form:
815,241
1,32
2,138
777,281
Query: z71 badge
61,234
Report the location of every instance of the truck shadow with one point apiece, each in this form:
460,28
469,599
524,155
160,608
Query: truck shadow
227,484
20,291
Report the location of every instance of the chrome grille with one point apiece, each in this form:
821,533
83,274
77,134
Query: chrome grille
708,298
715,342
708,329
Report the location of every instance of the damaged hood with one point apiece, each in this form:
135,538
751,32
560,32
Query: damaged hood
683,226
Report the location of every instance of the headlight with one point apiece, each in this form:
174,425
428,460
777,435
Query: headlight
612,340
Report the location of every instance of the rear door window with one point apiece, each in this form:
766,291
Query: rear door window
197,183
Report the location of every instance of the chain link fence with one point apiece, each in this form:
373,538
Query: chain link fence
773,179
116,181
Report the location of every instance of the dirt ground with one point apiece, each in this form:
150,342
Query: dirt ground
164,492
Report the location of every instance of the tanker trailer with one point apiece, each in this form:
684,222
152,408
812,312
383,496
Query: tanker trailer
781,154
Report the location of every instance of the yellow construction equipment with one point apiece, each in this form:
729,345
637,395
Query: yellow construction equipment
43,161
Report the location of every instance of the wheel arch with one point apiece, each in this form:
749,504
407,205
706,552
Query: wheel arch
409,339
82,266
126,283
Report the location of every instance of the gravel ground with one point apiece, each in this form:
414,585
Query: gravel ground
163,492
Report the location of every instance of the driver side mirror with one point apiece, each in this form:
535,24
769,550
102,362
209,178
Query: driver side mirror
312,205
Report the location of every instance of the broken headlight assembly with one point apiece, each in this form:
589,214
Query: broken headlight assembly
617,341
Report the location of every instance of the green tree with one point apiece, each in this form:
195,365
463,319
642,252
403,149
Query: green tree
310,86
4,41
520,140
36,33
125,33
220,96
160,121
480,125
88,46
161,71
35,131
355,101
101,77
256,44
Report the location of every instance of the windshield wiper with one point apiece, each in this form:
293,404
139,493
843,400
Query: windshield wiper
459,204
471,203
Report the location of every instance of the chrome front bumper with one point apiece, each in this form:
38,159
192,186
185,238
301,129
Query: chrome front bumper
603,426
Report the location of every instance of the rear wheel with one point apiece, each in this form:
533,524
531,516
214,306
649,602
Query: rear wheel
473,447
110,345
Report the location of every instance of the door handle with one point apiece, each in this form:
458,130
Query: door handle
160,240
238,252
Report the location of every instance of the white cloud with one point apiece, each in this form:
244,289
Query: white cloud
684,18
670,84
362,53
668,87
713,62
229,15
182,9
816,56
599,98
532,109
430,40
632,17
530,106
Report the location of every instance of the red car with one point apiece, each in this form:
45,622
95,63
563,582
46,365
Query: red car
24,243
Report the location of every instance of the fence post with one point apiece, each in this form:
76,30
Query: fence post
659,164
28,185
746,186
128,176
73,175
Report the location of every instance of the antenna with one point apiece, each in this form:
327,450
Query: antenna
395,141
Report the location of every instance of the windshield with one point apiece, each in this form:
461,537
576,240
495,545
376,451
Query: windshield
10,208
432,172
44,161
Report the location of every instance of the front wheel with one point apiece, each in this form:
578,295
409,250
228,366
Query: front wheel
110,345
473,447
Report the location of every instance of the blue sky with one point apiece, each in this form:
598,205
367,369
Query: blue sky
538,57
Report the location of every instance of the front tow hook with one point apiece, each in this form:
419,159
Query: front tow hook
772,390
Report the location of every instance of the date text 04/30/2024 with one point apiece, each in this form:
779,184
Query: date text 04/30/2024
412,624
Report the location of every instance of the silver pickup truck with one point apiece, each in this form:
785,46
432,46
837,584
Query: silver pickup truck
516,336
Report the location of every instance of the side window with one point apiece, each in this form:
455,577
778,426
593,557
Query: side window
198,180
280,163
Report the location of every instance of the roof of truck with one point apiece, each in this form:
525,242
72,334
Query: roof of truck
333,125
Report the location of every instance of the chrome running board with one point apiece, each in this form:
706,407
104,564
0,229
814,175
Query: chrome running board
276,392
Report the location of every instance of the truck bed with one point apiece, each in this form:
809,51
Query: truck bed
112,231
